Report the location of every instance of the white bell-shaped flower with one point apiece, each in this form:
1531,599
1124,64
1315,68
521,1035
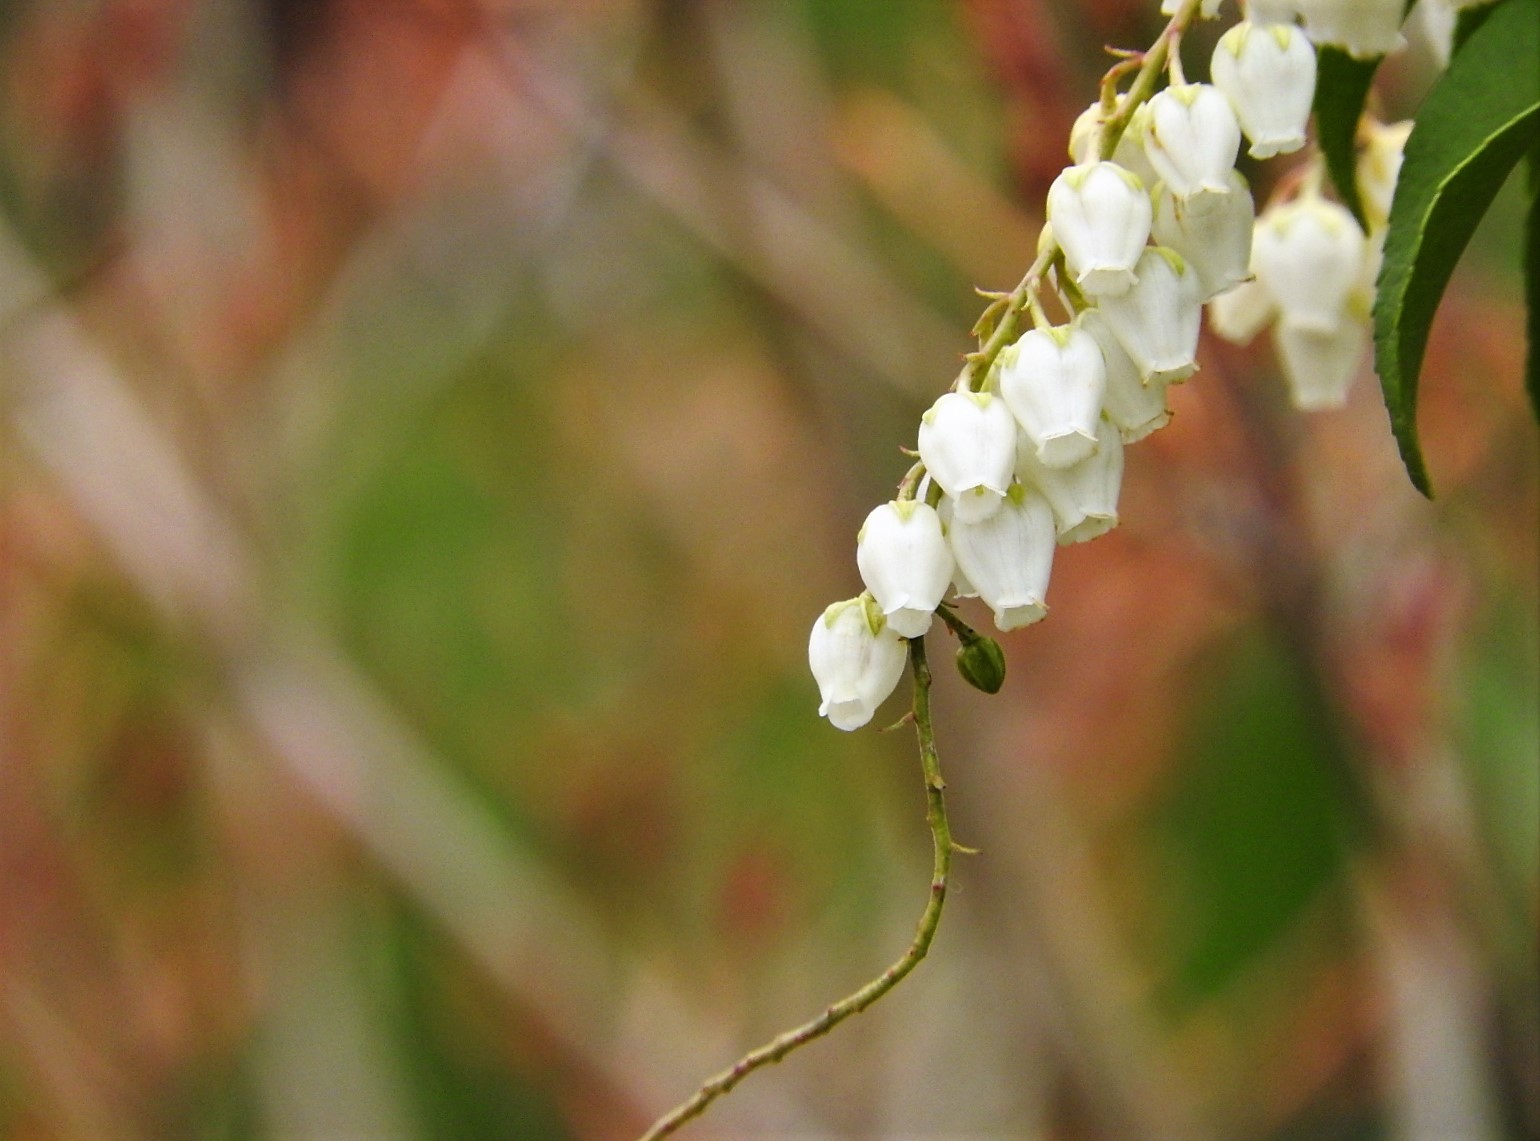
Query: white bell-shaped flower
904,560
1192,138
1241,313
1085,138
1309,254
1211,231
1379,165
1053,380
1084,496
1134,407
1267,71
1362,28
1270,11
1100,214
1009,556
856,658
1157,320
968,446
1320,364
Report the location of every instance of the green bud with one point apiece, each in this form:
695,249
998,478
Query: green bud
981,662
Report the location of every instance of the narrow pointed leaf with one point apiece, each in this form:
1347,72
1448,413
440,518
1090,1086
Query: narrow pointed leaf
1476,123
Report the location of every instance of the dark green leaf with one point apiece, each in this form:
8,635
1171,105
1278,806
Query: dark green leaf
1476,123
1341,87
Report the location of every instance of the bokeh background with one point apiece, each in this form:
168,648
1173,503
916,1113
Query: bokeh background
428,430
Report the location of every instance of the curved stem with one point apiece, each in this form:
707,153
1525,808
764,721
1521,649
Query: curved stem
942,848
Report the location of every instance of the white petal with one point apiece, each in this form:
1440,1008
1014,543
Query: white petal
856,667
1053,383
1100,214
1309,253
1134,407
904,560
1267,71
967,441
1157,321
1192,138
1212,232
1084,498
1009,557
1320,365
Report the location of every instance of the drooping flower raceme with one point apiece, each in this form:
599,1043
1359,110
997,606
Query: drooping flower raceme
1267,71
1100,214
1009,556
904,560
1052,380
1192,138
1157,320
1211,231
856,658
968,445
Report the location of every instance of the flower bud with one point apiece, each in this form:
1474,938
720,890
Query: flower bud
1211,231
1308,253
1053,380
1320,364
1100,216
856,658
1192,138
968,446
1362,28
1009,556
981,662
1157,320
904,560
1267,71
1084,497
1135,408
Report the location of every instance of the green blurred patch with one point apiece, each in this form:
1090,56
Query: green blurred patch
1252,822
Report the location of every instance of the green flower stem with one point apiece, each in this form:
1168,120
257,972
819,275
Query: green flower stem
1143,87
942,847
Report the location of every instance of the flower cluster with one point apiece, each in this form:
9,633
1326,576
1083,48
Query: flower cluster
1150,222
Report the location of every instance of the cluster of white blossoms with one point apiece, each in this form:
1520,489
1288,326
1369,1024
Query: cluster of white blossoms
1143,230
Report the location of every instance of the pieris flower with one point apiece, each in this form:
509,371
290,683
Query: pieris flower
1084,497
1157,320
1319,365
1100,214
904,560
1270,11
1085,137
1309,253
968,446
1135,408
1211,231
1267,71
1192,138
1053,380
856,658
1009,556
1363,28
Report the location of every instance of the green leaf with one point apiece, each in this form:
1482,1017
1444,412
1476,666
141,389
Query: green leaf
1477,122
1341,89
